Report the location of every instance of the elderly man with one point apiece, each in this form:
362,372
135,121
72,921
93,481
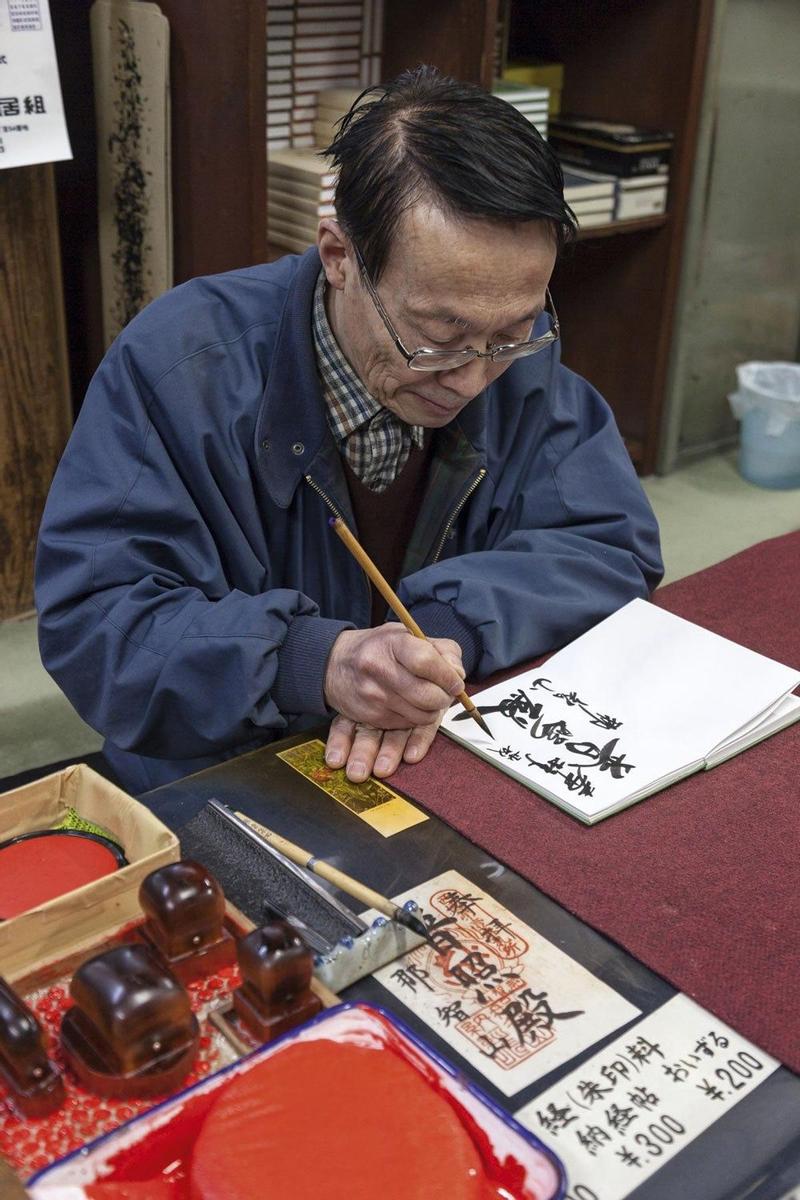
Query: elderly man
404,374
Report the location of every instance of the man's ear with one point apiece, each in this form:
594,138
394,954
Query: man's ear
333,246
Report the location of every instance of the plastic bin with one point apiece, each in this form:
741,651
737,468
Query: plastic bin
768,405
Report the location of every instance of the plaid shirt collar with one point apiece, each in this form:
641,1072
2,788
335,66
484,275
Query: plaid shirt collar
374,441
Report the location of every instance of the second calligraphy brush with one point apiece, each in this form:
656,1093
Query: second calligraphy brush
395,604
304,858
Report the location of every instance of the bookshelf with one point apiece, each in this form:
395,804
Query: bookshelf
643,63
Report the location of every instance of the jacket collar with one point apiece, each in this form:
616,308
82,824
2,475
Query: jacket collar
293,438
292,426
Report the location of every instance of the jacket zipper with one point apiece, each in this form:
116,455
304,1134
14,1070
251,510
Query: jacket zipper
327,500
453,516
455,512
325,497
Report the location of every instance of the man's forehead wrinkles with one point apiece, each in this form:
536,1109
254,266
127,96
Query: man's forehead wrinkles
423,313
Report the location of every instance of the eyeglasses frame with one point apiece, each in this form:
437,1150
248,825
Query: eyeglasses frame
535,344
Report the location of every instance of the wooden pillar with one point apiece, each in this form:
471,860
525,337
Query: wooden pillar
35,415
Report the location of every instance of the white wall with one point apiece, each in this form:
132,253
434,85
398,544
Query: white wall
740,290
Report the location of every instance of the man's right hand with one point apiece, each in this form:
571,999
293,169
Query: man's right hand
389,679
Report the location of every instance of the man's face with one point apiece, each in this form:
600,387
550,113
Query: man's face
448,284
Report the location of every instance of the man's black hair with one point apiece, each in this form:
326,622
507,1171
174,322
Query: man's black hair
428,137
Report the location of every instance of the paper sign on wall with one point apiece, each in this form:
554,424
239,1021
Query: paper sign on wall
32,125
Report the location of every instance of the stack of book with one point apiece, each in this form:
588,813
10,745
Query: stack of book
311,45
635,160
531,101
633,197
641,196
300,188
591,196
541,74
332,104
609,146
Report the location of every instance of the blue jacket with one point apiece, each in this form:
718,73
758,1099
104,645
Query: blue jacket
189,588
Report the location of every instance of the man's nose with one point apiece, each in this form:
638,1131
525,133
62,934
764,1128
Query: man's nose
468,380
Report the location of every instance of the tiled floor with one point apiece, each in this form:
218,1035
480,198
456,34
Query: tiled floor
706,511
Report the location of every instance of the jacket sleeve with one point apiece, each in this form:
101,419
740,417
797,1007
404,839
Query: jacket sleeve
137,621
558,536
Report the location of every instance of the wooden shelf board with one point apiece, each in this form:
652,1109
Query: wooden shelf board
615,227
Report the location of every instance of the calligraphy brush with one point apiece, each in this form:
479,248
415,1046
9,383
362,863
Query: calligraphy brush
304,858
396,604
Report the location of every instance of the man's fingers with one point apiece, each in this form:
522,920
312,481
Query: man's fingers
390,754
340,740
364,751
417,699
451,651
419,742
426,661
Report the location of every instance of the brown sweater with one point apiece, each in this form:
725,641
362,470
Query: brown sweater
385,520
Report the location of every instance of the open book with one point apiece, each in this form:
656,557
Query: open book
637,703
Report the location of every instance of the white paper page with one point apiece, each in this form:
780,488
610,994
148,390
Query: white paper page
504,997
620,1116
32,125
776,715
634,701
782,715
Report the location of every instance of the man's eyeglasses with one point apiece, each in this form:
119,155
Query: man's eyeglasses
427,359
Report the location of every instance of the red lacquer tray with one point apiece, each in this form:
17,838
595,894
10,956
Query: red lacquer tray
29,1145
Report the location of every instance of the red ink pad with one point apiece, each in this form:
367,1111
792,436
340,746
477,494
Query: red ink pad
330,1118
37,867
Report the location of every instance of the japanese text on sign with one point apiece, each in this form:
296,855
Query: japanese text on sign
502,996
623,1114
32,126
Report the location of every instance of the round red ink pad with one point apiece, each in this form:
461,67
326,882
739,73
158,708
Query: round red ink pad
37,867
337,1120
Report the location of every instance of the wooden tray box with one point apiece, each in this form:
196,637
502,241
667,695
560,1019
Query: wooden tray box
66,923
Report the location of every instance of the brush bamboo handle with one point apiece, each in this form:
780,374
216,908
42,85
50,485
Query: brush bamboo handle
345,883
390,596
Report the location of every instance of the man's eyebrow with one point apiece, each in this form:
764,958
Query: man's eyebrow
439,314
451,318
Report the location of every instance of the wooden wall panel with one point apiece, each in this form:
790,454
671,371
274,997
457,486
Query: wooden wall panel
76,192
35,415
457,36
219,140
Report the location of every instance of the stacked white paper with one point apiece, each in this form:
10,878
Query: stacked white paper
591,196
635,196
300,189
332,104
312,45
531,101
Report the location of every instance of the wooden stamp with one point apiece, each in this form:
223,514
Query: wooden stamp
276,993
131,1031
184,908
35,1086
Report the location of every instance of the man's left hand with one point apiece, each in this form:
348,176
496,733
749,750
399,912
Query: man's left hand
365,751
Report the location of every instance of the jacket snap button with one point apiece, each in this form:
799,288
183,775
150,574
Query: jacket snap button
298,448
265,444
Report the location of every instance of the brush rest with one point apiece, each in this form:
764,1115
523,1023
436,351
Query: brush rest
276,968
131,1031
35,1086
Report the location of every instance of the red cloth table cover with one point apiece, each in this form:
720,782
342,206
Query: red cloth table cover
701,881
